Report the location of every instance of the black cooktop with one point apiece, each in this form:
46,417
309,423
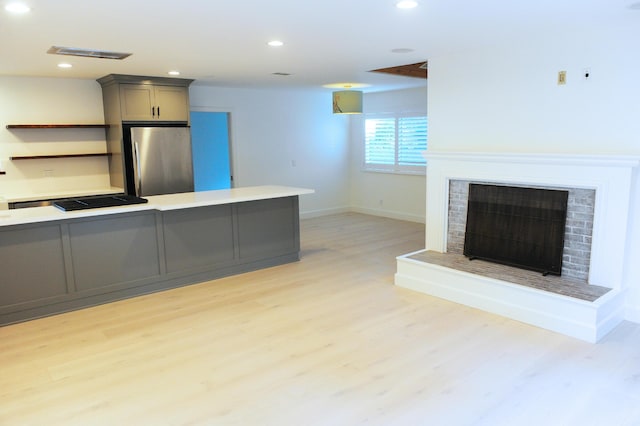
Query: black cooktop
97,202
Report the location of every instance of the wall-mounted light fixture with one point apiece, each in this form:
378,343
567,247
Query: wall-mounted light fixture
347,102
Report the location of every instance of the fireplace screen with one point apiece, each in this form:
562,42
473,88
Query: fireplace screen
516,226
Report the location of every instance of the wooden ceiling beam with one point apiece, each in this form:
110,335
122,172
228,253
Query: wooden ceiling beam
410,70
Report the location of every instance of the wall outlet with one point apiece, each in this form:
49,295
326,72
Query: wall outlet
562,78
47,173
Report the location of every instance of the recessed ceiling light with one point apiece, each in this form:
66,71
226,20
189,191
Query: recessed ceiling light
17,7
174,73
406,4
64,65
275,43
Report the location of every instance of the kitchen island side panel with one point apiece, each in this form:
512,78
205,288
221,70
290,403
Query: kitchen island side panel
268,228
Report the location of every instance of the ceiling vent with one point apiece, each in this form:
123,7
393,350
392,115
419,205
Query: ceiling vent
87,53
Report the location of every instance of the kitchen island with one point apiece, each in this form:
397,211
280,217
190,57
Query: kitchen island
53,261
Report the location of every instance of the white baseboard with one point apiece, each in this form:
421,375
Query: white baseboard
308,214
389,213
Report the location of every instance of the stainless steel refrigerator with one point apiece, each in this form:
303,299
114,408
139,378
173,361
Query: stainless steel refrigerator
160,160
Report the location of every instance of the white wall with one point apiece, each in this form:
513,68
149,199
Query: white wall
384,194
505,99
285,137
26,100
632,266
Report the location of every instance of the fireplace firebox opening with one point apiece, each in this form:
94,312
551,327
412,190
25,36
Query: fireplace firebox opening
516,226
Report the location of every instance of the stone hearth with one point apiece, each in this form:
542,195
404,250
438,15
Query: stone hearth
561,285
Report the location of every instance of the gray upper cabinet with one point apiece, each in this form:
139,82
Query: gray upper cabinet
144,102
129,98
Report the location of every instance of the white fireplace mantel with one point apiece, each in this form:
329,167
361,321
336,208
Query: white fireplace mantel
611,176
537,158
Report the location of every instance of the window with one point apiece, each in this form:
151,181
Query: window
395,143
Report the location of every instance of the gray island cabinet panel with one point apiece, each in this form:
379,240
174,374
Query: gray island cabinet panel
31,263
199,237
114,250
268,228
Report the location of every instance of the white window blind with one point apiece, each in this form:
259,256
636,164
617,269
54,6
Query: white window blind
395,143
380,141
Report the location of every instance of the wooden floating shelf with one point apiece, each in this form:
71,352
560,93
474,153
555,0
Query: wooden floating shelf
38,157
57,126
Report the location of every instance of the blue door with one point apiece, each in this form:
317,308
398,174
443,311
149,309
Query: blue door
210,146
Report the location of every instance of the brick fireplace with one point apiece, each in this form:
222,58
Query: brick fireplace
594,249
578,230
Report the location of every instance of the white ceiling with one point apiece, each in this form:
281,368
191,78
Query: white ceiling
326,41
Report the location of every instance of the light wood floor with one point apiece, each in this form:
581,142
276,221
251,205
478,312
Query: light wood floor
325,341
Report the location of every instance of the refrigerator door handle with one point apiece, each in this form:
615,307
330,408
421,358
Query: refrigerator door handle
137,172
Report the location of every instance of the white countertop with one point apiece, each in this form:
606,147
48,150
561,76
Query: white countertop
156,202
